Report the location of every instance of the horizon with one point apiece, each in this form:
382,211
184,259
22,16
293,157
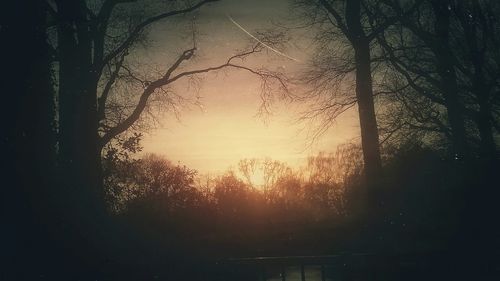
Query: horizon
226,127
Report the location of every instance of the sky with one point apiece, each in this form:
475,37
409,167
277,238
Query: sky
215,136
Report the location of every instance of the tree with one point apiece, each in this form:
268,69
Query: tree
28,136
349,19
451,86
346,17
331,177
83,50
83,53
233,197
435,36
478,60
62,95
93,46
153,184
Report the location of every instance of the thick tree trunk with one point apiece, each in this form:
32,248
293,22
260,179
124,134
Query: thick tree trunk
454,109
79,152
364,92
449,86
475,33
488,150
78,143
29,139
367,118
28,86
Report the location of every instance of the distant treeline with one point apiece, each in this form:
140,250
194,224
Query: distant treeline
314,209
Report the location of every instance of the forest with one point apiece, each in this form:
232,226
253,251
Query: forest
413,196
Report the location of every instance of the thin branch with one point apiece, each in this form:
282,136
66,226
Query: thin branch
141,105
101,101
108,6
167,79
403,70
391,133
392,20
144,83
140,27
340,22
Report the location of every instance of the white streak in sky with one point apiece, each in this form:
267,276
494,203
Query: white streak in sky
257,39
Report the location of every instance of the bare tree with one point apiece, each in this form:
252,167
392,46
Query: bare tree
349,31
476,38
94,43
83,50
91,55
444,53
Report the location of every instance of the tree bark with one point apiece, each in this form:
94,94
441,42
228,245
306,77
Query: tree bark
474,32
488,151
364,92
79,153
29,140
449,86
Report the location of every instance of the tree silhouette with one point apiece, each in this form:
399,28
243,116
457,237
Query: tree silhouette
63,103
475,38
347,21
28,134
446,79
92,51
438,43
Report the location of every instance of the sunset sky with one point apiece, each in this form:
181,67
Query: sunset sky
215,137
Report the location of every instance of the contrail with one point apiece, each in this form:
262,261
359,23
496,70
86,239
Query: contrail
257,39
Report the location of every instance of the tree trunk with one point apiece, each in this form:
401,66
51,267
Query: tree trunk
485,127
488,151
475,31
29,138
367,118
78,125
481,91
449,86
79,151
364,92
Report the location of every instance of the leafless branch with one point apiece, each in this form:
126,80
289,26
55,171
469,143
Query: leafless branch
140,27
101,101
169,78
335,14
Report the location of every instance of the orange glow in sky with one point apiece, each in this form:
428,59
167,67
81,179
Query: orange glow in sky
226,130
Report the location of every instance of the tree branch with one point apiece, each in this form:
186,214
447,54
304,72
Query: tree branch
340,22
390,133
141,105
140,27
167,79
402,69
101,101
390,21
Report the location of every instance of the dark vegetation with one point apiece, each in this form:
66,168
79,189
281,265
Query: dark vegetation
79,204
